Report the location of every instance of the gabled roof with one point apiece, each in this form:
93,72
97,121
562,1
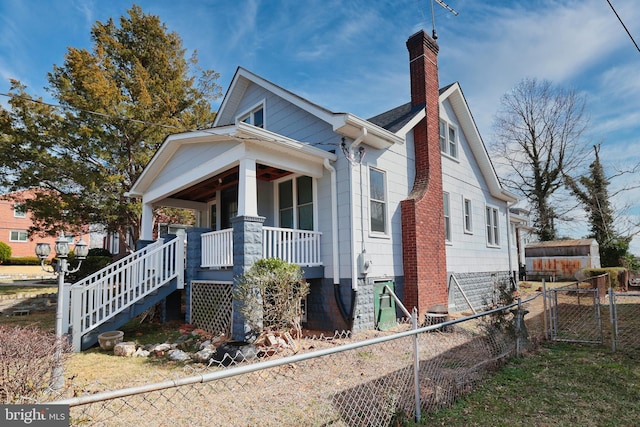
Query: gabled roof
458,102
345,124
403,118
240,132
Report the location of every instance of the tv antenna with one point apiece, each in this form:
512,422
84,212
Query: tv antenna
445,6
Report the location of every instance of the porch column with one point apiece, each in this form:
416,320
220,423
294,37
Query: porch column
247,189
247,248
146,232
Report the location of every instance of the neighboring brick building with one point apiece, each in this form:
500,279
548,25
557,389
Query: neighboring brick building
15,223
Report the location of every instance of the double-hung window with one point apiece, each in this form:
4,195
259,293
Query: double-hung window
295,203
448,139
18,236
493,237
447,217
377,201
468,216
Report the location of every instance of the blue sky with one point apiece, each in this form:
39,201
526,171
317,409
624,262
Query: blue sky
351,55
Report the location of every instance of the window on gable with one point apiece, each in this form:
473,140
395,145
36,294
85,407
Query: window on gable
493,237
18,236
448,139
447,217
377,201
295,203
468,220
255,117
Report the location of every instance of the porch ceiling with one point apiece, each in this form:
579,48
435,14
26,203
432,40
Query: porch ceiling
205,191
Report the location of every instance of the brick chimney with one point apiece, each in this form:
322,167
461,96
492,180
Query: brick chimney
423,241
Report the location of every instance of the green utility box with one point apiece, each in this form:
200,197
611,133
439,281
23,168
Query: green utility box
384,305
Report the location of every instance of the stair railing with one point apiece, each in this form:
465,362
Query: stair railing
102,295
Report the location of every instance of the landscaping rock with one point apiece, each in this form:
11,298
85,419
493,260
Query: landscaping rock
124,349
235,351
178,355
162,347
203,355
140,352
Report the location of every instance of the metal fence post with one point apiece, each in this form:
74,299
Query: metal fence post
519,319
613,318
416,364
545,312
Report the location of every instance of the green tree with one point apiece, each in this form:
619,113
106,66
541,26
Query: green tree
593,193
116,103
539,128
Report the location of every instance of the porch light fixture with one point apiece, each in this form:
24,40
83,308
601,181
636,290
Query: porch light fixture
43,250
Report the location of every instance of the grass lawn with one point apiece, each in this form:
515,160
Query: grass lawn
28,290
560,385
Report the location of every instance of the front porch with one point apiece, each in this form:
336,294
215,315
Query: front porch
213,251
301,247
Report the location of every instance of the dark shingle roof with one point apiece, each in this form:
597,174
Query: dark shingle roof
394,119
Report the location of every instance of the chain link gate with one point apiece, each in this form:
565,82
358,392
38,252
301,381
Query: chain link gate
624,309
572,314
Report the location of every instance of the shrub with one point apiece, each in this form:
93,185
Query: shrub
5,252
89,266
503,295
270,293
27,260
26,358
618,276
99,252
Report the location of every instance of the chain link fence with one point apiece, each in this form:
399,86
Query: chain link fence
367,379
624,310
573,314
589,312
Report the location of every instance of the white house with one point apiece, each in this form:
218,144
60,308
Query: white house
407,199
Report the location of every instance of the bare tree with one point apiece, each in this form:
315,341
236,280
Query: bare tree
539,128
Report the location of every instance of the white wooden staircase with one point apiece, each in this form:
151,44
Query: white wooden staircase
121,291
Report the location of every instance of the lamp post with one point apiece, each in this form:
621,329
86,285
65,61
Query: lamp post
43,250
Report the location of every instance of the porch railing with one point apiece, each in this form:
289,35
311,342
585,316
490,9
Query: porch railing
217,249
101,296
300,247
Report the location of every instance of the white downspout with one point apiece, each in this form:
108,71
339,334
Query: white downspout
334,222
509,239
354,259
